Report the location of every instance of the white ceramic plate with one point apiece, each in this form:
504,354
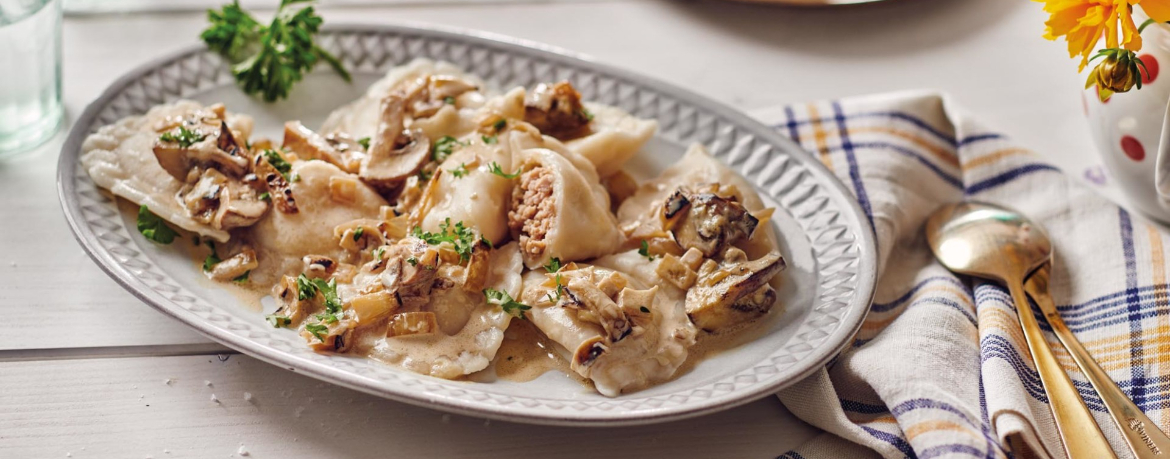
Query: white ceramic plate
828,243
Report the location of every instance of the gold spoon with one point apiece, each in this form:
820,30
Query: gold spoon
1142,435
995,243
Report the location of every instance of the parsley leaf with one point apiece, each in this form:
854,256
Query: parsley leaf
506,302
495,169
364,142
185,138
306,289
444,147
242,277
463,239
490,140
317,330
267,61
379,252
645,251
212,259
265,196
413,261
587,114
152,227
449,100
553,265
277,161
500,125
357,233
329,291
459,171
277,321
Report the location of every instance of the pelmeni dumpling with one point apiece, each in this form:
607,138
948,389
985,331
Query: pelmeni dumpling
325,197
470,330
619,332
360,117
559,209
615,137
465,190
120,158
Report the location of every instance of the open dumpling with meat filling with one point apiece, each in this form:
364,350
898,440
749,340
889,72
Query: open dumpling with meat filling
619,332
559,210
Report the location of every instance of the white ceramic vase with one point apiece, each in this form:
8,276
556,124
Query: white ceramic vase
1130,128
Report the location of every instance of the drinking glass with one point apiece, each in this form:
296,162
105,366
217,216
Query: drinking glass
30,73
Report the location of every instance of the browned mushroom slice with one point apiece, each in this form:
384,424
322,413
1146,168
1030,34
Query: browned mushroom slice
288,298
279,190
410,271
370,307
200,140
318,266
235,266
337,149
592,305
557,111
329,337
361,234
412,323
588,352
394,154
217,201
729,294
707,221
429,94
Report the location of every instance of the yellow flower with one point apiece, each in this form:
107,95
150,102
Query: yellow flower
1083,22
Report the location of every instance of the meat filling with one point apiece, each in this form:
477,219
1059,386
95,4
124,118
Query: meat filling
533,210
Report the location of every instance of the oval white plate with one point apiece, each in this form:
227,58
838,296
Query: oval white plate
828,243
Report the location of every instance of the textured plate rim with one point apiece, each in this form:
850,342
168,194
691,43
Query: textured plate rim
851,321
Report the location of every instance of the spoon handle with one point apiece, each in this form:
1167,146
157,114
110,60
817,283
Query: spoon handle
1082,437
1143,436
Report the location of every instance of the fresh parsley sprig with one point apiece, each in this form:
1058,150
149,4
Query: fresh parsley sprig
496,169
462,238
152,227
506,302
268,60
185,138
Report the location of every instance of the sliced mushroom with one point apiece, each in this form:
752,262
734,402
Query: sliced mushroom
361,234
395,154
478,266
427,95
557,111
410,271
279,189
235,266
413,323
733,293
337,149
214,146
318,266
370,307
588,352
288,298
707,221
594,306
338,336
220,202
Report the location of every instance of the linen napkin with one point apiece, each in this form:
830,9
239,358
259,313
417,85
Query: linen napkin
940,367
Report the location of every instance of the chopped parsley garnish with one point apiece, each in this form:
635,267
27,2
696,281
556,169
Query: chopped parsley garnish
644,309
267,61
278,321
306,289
500,125
486,242
152,227
444,147
413,261
553,265
506,302
379,252
327,318
357,233
587,114
185,138
295,178
329,291
495,169
212,259
364,142
317,330
560,289
265,196
490,140
645,251
449,100
463,239
423,176
460,171
242,277
278,162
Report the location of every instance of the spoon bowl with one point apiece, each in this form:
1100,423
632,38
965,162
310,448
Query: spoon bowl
987,241
993,242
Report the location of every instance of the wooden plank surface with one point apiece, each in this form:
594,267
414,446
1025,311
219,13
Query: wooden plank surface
125,408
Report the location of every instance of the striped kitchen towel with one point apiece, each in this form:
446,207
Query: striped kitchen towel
940,368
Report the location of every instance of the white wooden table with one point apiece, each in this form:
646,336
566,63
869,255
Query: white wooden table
84,366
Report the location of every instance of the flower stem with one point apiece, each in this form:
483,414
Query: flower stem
1145,23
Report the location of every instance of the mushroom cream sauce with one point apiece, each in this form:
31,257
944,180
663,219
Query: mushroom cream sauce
457,232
